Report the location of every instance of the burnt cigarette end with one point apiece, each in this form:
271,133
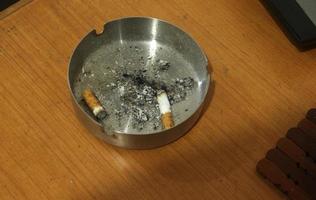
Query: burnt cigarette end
165,110
102,115
94,104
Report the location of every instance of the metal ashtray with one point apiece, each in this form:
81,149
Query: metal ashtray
125,66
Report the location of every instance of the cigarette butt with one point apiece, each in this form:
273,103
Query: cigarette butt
167,120
165,110
94,103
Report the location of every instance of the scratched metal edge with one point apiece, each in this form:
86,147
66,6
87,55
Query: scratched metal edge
13,8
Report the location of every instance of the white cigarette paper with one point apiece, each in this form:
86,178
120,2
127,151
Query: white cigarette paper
165,110
163,102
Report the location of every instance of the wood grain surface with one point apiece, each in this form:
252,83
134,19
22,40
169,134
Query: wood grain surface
14,7
263,86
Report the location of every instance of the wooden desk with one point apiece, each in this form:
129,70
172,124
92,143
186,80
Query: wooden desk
264,86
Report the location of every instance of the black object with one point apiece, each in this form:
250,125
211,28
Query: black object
273,173
297,19
303,140
291,165
311,115
6,3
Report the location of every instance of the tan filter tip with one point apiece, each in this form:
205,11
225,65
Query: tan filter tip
92,101
165,110
167,120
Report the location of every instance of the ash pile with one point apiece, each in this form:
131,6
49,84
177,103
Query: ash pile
130,96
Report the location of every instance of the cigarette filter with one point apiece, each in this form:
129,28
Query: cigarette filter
94,104
165,110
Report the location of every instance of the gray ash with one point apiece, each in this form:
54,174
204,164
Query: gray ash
163,65
135,91
178,91
138,98
138,93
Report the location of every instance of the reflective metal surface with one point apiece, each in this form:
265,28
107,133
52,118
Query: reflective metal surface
159,39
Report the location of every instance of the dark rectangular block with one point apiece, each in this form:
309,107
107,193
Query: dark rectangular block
308,127
6,3
297,155
303,140
294,20
289,167
275,175
311,115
